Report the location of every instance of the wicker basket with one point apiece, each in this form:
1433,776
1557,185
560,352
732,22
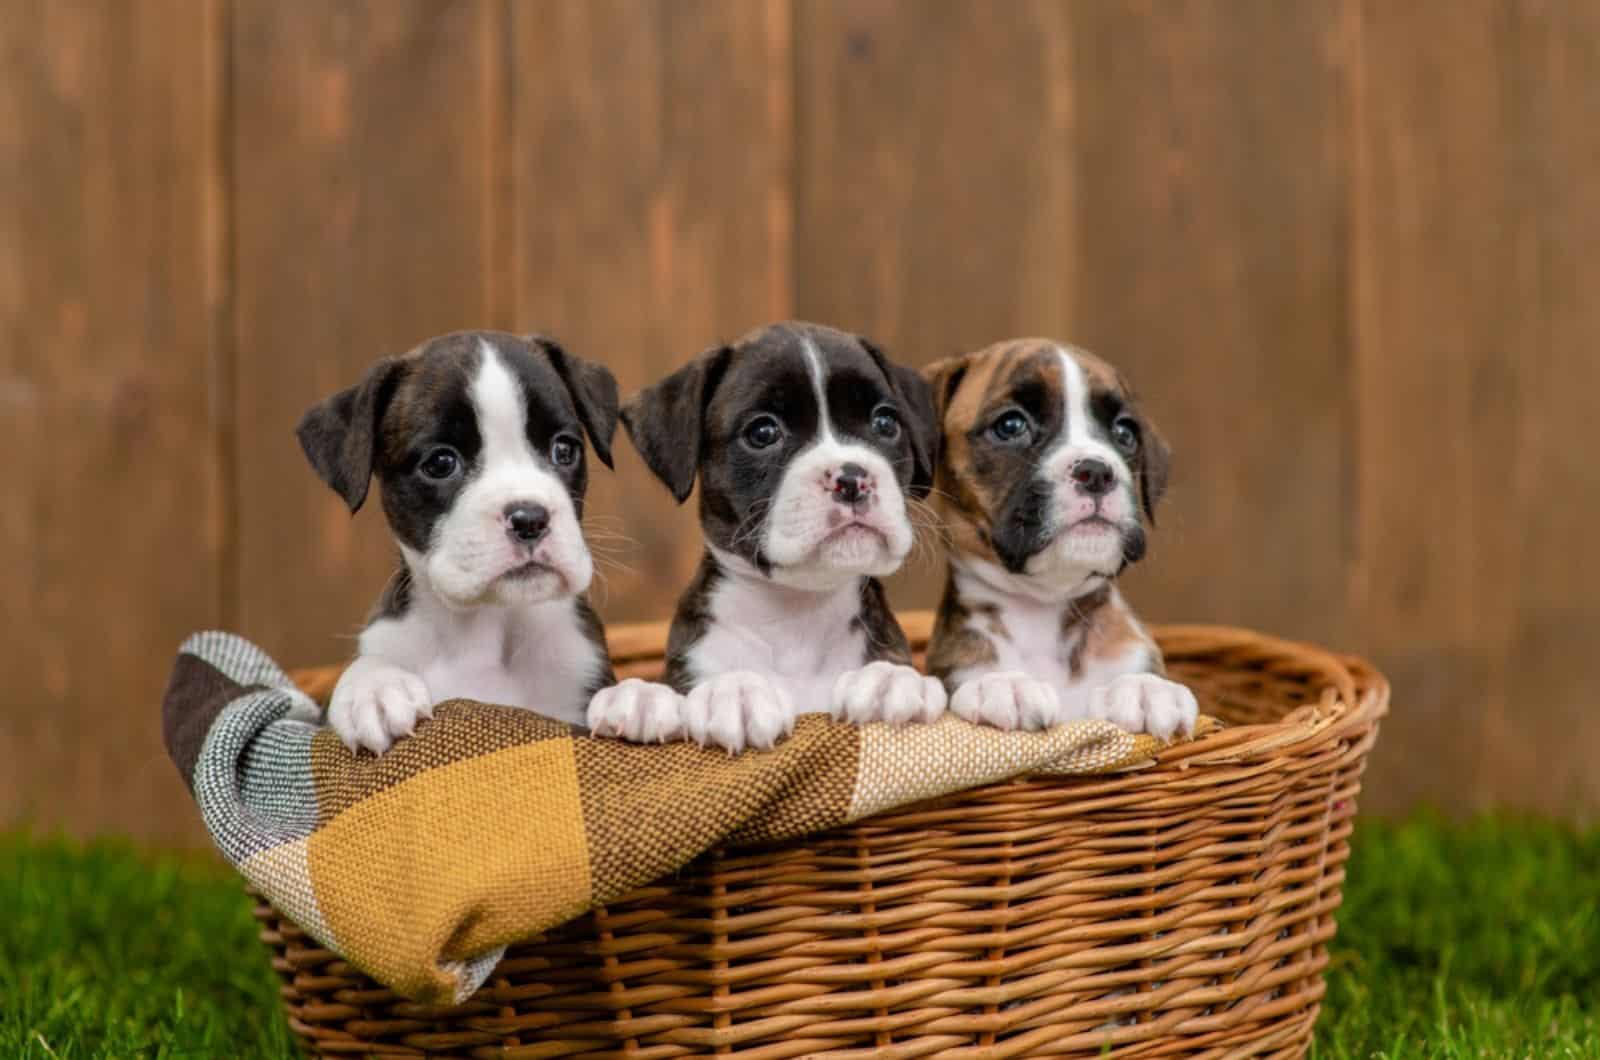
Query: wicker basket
1180,909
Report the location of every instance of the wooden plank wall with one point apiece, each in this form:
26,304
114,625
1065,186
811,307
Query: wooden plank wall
114,356
1346,248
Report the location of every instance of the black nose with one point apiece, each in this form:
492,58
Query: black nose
1093,477
852,484
527,522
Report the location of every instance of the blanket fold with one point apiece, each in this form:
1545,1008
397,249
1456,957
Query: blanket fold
492,824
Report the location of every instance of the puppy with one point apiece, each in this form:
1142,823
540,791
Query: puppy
1047,476
808,444
476,439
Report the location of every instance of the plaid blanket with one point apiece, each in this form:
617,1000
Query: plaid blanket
492,824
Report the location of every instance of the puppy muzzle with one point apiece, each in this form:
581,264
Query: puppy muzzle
838,513
517,551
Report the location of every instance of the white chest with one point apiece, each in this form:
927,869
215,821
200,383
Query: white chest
1031,641
804,649
1097,672
536,658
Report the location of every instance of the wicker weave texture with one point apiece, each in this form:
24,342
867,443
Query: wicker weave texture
1182,909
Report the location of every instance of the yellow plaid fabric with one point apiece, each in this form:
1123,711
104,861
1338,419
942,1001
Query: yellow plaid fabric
490,825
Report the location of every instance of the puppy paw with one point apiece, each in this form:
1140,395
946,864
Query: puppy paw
375,704
886,691
738,710
637,711
1146,703
1008,700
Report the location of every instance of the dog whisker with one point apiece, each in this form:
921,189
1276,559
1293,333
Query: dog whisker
599,588
613,543
933,492
752,523
603,563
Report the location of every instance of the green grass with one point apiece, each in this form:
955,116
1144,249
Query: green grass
108,951
1457,940
1469,940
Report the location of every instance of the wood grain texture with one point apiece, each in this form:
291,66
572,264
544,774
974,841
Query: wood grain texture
1346,249
1553,700
1095,172
934,175
1476,243
112,280
365,145
934,200
1210,159
652,176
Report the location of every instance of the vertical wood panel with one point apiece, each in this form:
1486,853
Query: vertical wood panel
111,279
365,137
1346,248
1552,699
1161,183
1476,235
1211,161
652,176
935,183
934,200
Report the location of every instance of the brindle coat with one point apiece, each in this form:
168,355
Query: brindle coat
990,500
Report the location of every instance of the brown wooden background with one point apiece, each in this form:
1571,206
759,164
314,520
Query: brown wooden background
1351,252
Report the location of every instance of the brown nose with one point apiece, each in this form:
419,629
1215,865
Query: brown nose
1093,477
852,484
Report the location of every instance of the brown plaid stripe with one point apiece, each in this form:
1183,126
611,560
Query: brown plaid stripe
648,809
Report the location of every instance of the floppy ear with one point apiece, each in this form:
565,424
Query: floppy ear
594,392
1155,467
666,420
339,435
922,419
943,377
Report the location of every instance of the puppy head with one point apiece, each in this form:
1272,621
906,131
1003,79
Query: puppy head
1048,472
807,443
477,441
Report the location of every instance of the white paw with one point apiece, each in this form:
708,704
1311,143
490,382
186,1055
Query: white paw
886,691
1146,703
1008,700
738,710
374,704
637,711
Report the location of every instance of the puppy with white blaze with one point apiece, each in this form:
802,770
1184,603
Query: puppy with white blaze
1047,477
808,445
477,442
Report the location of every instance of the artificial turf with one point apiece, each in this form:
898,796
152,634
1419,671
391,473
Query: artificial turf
1456,940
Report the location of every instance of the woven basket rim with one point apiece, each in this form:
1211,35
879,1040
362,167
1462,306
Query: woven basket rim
1354,694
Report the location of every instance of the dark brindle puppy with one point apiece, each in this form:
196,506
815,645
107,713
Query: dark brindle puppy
477,442
807,443
1047,478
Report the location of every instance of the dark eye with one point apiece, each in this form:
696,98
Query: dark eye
440,463
762,432
564,450
1125,434
886,423
1011,426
